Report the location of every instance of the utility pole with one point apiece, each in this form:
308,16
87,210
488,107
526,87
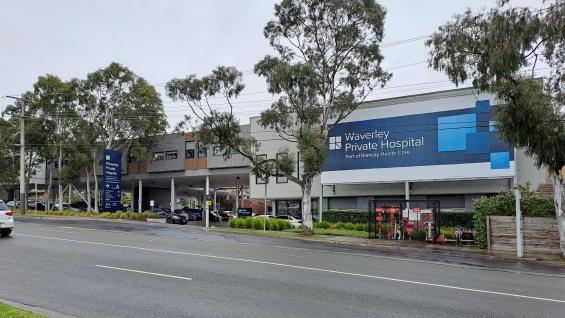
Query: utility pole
23,203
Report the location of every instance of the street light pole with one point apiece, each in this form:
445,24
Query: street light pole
22,159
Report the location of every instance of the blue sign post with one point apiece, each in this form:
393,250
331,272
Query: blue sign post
112,201
244,212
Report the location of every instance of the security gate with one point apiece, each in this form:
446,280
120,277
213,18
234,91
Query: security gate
404,219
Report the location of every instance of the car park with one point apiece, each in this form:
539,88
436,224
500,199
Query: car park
191,214
268,216
175,218
294,221
6,219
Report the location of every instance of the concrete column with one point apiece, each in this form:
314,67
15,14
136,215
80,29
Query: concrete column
173,198
70,194
207,209
139,197
132,201
215,198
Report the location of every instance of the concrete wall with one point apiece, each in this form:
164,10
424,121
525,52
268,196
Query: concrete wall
172,142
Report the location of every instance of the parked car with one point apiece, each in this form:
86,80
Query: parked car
175,218
76,207
13,204
40,206
294,221
268,216
66,207
192,214
6,219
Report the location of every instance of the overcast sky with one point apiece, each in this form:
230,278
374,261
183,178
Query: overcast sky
161,40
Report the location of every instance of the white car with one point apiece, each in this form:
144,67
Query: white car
294,221
6,219
264,216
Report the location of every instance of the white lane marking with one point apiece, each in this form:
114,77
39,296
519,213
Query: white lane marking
141,272
329,252
54,231
260,252
302,267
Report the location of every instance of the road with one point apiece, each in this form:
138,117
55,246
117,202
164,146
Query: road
90,268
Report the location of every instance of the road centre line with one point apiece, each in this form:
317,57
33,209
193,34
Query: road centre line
330,252
304,268
141,272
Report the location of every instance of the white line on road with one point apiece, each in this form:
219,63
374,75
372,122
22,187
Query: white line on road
303,267
54,231
260,252
141,272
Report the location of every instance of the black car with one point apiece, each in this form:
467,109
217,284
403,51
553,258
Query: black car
175,218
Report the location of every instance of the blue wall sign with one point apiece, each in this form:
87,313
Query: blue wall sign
461,136
112,168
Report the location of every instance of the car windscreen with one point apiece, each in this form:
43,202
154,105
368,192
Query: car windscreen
3,206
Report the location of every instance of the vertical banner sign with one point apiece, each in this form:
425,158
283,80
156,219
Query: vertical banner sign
112,181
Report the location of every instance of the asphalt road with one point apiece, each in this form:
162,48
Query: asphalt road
90,268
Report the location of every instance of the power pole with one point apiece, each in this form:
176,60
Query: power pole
22,159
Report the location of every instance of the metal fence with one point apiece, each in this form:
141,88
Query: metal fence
404,219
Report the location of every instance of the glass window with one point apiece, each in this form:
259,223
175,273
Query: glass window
218,151
281,179
158,156
259,180
234,151
172,155
202,151
289,207
189,149
335,142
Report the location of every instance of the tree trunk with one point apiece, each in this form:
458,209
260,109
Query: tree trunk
88,207
559,201
307,224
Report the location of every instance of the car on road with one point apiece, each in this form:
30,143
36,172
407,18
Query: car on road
294,221
175,218
6,219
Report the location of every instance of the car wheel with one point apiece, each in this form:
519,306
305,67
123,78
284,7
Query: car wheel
169,221
5,232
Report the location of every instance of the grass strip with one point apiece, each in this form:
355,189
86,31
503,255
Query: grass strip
12,312
336,232
271,233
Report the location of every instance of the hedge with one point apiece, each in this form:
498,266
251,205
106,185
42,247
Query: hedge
457,219
345,217
534,204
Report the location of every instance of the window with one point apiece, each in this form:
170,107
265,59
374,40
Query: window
189,149
158,156
202,151
281,179
234,151
218,151
259,180
335,142
172,154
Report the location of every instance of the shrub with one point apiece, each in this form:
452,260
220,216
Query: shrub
105,215
275,225
333,226
258,223
325,225
232,223
534,204
122,216
269,225
449,233
240,223
133,216
349,226
345,216
146,214
366,227
119,214
153,215
248,222
340,226
360,227
457,219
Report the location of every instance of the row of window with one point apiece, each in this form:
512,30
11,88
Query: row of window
300,170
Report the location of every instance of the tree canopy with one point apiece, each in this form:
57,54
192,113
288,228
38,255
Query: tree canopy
499,52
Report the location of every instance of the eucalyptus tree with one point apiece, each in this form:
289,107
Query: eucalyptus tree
9,169
328,62
122,109
57,110
499,51
36,134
